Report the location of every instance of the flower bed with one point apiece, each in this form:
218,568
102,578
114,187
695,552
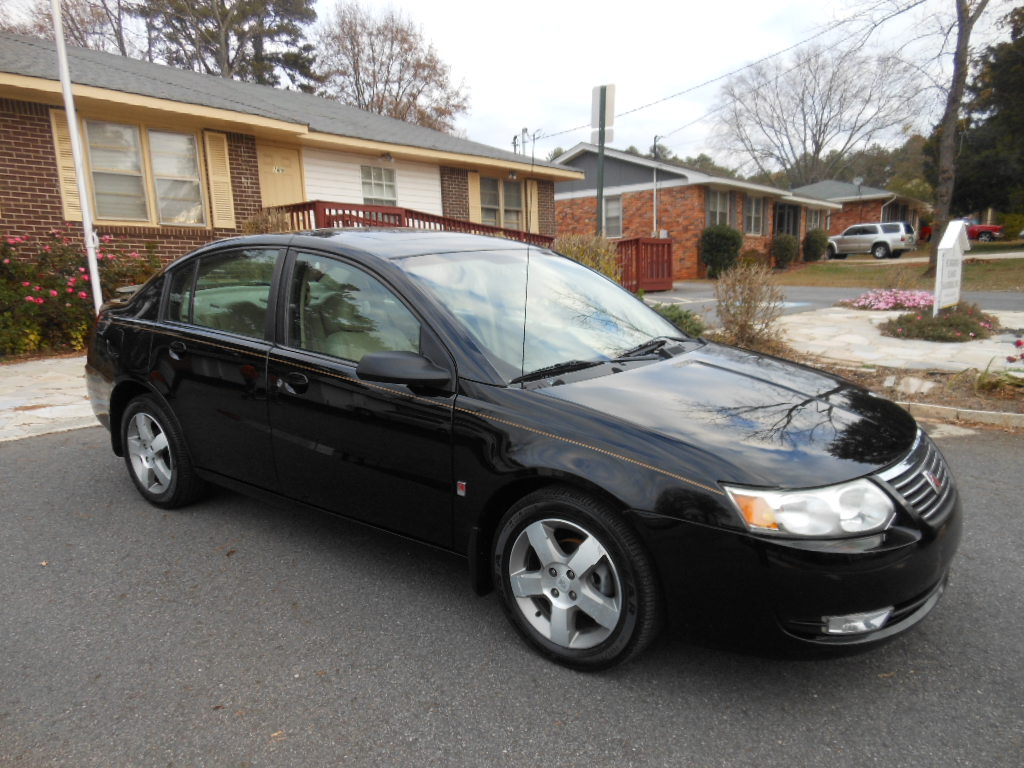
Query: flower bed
45,295
881,299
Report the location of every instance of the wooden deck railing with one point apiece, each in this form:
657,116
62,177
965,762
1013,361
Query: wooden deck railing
646,264
646,261
318,214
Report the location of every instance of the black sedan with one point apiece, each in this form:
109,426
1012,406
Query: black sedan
599,469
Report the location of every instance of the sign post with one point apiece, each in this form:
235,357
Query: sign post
949,268
602,118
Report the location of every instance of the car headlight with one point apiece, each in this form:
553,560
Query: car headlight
849,509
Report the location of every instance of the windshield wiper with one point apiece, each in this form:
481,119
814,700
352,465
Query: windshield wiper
648,347
551,370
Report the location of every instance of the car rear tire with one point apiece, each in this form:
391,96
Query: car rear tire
986,237
156,455
880,251
575,580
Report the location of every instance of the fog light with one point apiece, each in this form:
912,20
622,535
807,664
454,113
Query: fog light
856,623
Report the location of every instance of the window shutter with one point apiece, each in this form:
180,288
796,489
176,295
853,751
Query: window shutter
533,201
218,171
475,214
70,200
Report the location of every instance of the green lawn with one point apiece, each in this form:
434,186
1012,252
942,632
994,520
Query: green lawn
855,272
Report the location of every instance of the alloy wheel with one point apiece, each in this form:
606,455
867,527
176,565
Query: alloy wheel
149,452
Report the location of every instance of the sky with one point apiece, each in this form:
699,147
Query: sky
533,64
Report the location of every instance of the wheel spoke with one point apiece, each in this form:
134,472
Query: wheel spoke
159,443
544,544
162,472
586,556
526,584
601,608
562,625
134,445
145,427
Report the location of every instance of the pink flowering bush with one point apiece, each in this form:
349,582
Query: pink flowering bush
963,322
891,298
45,295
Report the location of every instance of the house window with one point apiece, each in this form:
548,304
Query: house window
718,207
378,185
501,203
814,219
141,174
175,162
753,215
613,217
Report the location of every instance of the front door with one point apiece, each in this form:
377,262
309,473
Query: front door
377,452
280,175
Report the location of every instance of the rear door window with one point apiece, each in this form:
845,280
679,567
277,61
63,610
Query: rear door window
225,291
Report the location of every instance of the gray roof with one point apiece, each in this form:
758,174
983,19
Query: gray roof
35,57
841,190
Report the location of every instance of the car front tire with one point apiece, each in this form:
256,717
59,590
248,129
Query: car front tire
986,237
156,456
831,251
575,580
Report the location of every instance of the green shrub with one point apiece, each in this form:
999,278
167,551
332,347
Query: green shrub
963,322
596,252
815,243
784,250
1012,223
754,256
720,248
686,321
45,295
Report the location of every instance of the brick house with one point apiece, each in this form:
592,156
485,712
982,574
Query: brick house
864,204
645,197
175,158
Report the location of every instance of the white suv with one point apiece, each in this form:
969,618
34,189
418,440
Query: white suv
882,240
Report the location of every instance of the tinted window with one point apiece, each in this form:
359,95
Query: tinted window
230,291
891,228
339,310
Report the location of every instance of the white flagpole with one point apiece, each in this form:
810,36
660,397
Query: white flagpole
76,153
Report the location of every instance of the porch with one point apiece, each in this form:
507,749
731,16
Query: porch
646,262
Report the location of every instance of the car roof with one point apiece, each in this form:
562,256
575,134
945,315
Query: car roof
394,243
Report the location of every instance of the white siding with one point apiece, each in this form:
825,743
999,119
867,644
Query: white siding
335,177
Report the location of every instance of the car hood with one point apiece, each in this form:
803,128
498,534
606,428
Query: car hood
752,419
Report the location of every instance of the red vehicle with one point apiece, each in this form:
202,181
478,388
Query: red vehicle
983,232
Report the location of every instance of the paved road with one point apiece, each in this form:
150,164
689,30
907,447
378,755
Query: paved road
241,634
699,296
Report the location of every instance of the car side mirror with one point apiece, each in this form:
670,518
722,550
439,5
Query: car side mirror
407,368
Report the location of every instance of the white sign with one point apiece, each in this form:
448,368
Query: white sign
950,265
609,114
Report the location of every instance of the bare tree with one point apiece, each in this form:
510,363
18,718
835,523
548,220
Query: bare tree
101,25
804,117
944,52
382,64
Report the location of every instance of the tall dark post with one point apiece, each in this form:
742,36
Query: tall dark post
600,161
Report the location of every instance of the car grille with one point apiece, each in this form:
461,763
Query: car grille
922,479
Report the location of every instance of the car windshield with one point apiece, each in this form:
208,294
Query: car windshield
531,309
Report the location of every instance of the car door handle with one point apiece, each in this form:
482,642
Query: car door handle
176,349
294,383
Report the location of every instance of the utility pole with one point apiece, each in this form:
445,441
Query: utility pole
603,108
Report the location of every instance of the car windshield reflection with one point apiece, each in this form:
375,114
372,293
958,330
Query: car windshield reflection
530,310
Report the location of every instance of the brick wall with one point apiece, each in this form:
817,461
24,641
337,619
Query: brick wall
546,207
855,213
30,203
455,193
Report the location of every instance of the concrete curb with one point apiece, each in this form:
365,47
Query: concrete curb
955,415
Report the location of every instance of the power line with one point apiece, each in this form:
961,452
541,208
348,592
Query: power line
825,30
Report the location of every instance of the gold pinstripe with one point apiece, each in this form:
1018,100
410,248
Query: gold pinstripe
497,419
